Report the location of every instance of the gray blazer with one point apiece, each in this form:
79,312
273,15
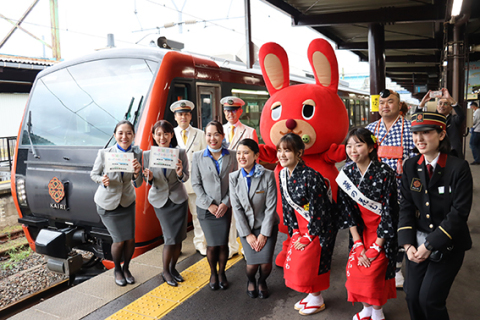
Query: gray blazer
169,187
258,208
121,189
209,186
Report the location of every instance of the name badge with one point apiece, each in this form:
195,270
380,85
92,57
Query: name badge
260,191
441,190
416,185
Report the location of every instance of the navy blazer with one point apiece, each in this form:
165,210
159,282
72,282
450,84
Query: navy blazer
440,207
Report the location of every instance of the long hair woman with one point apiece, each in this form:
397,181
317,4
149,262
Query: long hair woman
169,198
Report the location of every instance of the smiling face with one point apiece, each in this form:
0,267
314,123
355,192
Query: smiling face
124,135
389,107
287,157
183,119
213,137
162,138
358,151
444,107
427,142
246,157
233,116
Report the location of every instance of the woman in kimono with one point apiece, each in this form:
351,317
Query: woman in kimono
367,199
307,211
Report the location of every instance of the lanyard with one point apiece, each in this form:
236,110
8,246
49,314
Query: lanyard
377,128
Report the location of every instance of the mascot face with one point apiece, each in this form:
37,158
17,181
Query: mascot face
313,111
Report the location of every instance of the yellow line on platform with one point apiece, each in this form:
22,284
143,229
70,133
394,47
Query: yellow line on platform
6,181
163,299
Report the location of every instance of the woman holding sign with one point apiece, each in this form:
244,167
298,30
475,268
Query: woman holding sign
367,198
114,169
166,169
210,170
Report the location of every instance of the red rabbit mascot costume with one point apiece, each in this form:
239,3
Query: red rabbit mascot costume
313,111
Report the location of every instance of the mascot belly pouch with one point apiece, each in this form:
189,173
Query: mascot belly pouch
313,111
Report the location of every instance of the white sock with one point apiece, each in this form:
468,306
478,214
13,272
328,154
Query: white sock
315,300
378,314
366,312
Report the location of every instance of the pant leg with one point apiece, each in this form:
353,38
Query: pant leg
199,241
415,273
475,146
233,245
436,285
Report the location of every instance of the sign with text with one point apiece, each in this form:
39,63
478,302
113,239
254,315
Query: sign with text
119,162
163,157
374,102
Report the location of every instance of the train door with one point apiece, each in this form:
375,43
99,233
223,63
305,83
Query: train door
208,102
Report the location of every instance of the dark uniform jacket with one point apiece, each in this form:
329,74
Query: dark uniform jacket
428,207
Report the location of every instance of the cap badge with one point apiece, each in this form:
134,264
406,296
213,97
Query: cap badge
420,118
183,104
230,101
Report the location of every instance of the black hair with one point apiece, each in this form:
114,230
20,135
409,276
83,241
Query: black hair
124,122
473,103
292,142
251,144
217,125
166,127
365,136
444,147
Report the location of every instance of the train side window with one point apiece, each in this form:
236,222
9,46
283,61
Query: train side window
208,104
252,110
178,91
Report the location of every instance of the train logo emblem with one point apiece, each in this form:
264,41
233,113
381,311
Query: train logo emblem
56,189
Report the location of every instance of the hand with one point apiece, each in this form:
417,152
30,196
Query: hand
222,208
446,95
136,167
213,209
301,243
252,241
372,254
422,253
337,153
147,173
425,99
179,168
363,259
261,241
411,254
105,180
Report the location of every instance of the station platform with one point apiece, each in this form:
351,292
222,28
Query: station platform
151,298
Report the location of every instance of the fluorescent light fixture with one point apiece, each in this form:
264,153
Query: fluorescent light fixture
457,7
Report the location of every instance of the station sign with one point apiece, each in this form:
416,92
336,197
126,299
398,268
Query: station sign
374,102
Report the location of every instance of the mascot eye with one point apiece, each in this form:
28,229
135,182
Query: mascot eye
308,111
276,111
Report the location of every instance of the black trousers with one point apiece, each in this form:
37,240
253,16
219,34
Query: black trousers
428,284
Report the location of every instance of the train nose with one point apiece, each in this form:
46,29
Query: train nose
291,124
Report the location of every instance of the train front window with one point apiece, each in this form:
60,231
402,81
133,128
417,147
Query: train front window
81,104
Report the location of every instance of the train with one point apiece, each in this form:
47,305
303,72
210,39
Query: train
71,113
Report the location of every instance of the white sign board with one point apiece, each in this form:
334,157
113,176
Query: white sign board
119,162
163,157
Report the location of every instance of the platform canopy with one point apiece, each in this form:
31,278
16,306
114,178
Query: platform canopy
414,31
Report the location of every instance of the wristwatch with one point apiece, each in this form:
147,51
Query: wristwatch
428,245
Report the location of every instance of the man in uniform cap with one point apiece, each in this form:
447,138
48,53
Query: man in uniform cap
191,139
235,131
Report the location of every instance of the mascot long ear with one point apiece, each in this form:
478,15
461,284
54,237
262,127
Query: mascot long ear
324,63
274,63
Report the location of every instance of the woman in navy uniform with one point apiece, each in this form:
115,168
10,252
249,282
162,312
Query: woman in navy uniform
210,170
253,193
115,200
437,198
169,198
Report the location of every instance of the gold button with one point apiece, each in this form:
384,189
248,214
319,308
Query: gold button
431,226
426,191
428,216
427,204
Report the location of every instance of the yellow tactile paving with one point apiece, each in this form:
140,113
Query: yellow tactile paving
165,298
127,315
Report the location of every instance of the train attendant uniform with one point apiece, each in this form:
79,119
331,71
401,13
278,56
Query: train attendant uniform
369,202
191,139
434,213
210,183
116,203
254,207
168,197
307,211
234,133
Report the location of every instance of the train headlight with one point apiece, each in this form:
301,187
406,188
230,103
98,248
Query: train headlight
21,192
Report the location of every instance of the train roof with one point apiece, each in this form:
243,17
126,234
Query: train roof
157,54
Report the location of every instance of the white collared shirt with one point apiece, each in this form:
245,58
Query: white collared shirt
434,161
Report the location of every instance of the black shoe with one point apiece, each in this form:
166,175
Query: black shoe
474,163
252,294
172,282
177,276
223,284
263,294
130,280
213,285
121,282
